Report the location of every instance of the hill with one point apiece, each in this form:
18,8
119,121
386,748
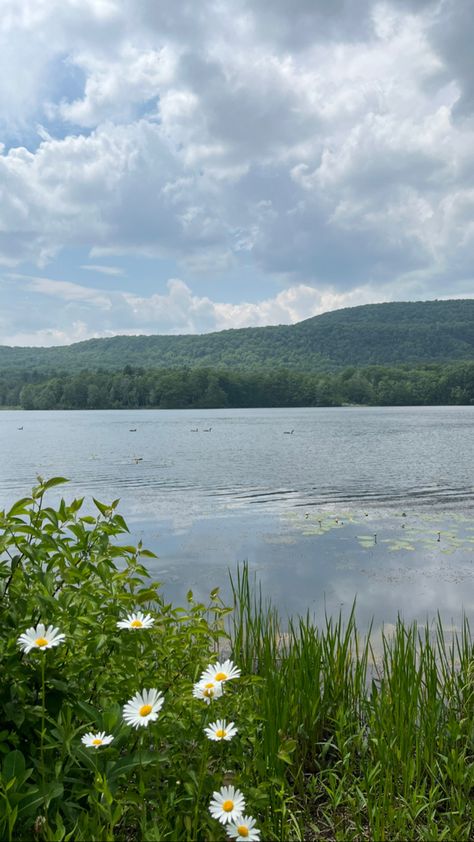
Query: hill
373,334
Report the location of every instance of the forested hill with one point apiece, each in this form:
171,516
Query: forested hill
372,334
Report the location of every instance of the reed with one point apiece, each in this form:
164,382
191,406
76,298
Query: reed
369,748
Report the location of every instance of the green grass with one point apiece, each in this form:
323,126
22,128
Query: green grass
371,747
339,737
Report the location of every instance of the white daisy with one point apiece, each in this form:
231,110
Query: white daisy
40,638
136,621
227,805
143,708
220,730
207,691
243,830
220,672
95,740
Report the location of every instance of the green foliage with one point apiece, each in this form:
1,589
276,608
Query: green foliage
401,353
69,570
198,388
374,334
375,735
338,737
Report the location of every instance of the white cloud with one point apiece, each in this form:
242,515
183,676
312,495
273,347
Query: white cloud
64,290
329,146
115,89
77,332
93,313
102,269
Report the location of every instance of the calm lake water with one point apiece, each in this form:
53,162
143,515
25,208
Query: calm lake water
372,504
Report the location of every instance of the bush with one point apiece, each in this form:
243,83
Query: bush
65,568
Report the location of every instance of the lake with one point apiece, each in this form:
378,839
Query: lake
367,503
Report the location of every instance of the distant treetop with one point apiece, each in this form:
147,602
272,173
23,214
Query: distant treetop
372,334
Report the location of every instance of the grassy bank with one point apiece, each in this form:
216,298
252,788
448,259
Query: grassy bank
333,740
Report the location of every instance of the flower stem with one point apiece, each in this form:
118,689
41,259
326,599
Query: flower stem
137,656
43,712
141,787
202,775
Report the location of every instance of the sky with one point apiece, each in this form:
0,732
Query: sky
184,167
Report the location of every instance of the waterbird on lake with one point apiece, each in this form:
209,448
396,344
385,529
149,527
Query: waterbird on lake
208,430
133,430
19,428
288,432
138,459
195,429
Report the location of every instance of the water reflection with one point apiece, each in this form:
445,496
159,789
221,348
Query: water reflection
303,509
323,573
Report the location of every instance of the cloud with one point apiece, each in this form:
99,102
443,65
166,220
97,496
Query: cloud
64,290
102,269
452,35
94,313
329,147
46,337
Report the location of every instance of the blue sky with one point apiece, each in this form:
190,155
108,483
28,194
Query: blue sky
181,167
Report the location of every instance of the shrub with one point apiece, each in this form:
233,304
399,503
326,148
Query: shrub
65,568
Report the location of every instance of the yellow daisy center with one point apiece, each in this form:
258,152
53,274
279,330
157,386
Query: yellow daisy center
210,684
209,693
221,676
243,830
136,624
96,742
228,806
221,733
145,710
41,641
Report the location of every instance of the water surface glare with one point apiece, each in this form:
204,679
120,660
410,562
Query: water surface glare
373,503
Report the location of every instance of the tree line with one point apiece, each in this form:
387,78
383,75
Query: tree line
394,334
189,388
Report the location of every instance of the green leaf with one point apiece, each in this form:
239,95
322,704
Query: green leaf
20,507
103,508
13,765
282,755
30,802
119,521
127,764
50,483
147,595
14,713
111,717
89,711
52,791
